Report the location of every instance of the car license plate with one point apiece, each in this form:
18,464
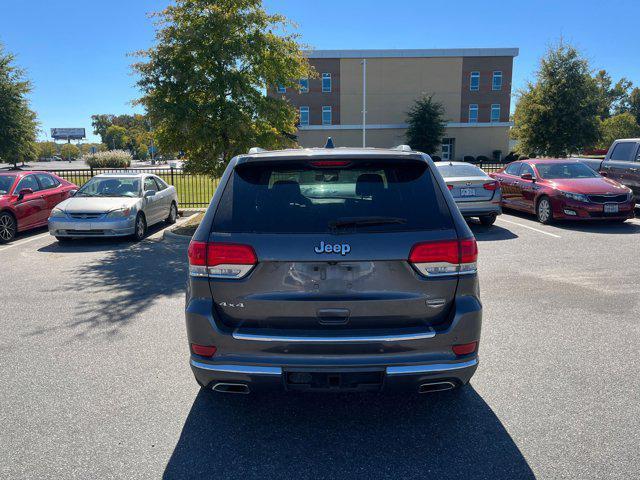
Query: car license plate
610,208
469,192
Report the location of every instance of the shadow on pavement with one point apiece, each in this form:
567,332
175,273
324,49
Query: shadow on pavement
588,226
122,284
490,234
448,435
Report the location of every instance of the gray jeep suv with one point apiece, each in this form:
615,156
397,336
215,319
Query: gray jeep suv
333,269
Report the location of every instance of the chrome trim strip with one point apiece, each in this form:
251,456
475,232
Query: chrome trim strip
431,368
244,369
351,339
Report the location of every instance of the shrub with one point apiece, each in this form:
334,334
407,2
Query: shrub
482,159
436,158
110,159
469,159
497,155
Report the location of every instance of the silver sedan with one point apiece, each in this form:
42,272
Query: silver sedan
115,205
475,192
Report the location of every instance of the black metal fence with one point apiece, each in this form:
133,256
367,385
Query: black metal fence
193,190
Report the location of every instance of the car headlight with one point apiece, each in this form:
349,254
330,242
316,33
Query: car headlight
120,213
578,197
57,213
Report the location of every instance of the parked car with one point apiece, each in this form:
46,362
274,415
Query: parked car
475,192
115,205
333,269
622,164
27,198
556,189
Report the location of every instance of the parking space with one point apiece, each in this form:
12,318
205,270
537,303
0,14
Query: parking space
97,384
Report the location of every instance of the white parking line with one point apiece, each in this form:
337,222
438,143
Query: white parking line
24,241
530,228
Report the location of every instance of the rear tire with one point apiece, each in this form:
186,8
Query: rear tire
488,220
173,214
140,229
544,211
8,227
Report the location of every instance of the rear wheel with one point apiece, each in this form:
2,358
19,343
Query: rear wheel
488,220
544,212
8,227
141,228
173,214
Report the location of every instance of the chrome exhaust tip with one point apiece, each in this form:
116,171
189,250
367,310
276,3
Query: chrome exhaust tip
231,388
432,387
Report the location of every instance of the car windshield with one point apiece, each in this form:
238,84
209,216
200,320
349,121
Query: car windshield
557,171
449,170
363,197
110,187
5,183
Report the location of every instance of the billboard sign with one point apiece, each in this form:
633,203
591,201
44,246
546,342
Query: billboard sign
67,133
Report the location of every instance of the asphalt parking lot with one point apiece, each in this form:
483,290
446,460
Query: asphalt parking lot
96,384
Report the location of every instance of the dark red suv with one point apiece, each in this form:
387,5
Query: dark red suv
27,198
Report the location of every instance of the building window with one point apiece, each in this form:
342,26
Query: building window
495,112
474,84
304,115
326,115
304,85
326,83
496,84
282,89
473,113
448,148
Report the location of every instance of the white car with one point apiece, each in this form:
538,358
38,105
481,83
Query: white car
115,205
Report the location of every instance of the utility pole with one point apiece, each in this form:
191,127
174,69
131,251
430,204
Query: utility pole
364,103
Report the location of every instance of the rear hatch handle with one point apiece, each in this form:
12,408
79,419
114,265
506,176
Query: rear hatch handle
333,316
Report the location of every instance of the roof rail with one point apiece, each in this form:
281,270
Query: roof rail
254,150
402,148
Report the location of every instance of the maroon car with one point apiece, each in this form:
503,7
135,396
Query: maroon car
556,189
27,198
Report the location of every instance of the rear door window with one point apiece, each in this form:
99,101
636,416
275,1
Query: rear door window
47,181
300,198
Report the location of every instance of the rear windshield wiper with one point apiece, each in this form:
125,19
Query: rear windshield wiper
364,221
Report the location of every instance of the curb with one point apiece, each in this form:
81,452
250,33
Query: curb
169,235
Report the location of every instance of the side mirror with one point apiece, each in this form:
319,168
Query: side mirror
149,193
23,192
72,193
526,176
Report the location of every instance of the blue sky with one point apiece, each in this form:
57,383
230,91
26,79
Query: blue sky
75,51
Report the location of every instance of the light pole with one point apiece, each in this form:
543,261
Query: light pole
364,103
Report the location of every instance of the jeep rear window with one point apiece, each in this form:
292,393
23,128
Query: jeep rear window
301,198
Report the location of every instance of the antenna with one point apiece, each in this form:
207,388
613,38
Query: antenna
329,143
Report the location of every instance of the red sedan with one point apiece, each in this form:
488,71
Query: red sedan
27,198
563,190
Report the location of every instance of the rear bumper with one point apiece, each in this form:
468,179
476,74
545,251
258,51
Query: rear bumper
477,209
394,377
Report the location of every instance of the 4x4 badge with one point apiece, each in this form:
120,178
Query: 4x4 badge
341,248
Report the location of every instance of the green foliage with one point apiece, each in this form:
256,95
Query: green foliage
623,125
116,137
47,149
69,150
612,98
142,152
85,148
17,121
203,82
634,104
109,159
557,115
426,125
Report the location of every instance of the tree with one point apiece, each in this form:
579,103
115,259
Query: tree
142,152
69,150
426,125
116,138
634,104
623,125
203,82
612,99
47,149
17,121
557,115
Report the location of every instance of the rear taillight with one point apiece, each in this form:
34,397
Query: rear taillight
490,186
220,260
445,257
203,350
450,187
